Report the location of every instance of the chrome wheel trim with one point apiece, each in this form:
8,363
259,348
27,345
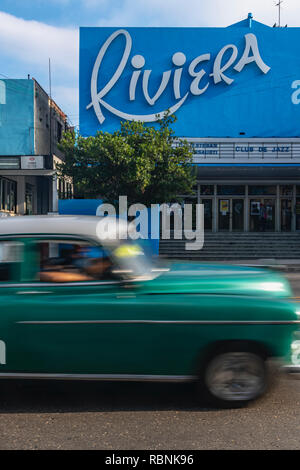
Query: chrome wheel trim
235,376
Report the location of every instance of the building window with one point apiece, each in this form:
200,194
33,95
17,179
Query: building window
29,199
262,190
207,190
286,190
231,190
59,131
8,190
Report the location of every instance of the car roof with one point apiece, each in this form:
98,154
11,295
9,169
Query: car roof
70,225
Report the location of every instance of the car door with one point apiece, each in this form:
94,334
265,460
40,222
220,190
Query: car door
69,327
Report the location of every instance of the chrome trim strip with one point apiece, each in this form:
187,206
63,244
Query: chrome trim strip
180,322
291,368
61,284
112,377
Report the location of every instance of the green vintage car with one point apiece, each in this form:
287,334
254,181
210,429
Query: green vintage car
81,303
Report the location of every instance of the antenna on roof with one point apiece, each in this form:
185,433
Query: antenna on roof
280,2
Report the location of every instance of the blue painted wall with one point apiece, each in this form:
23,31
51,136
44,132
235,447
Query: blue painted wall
255,104
16,117
78,206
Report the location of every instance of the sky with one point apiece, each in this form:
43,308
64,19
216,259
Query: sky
32,31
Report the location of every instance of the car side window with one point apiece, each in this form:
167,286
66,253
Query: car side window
72,261
11,257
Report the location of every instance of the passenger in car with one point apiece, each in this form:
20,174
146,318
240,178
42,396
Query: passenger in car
75,267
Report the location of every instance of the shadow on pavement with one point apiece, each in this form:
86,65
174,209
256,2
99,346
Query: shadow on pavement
50,396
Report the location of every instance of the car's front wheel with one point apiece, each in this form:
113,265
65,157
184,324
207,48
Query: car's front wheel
234,377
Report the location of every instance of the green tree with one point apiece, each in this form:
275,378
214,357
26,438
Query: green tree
137,161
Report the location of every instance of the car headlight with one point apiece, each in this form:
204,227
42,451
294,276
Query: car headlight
272,286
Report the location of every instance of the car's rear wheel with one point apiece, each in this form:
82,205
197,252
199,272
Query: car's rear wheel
234,378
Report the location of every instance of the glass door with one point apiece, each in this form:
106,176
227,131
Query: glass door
286,215
231,215
270,214
262,215
207,213
237,215
224,215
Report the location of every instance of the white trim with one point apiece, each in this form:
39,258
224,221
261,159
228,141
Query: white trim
167,322
242,140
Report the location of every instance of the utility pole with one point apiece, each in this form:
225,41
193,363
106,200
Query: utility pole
50,109
54,207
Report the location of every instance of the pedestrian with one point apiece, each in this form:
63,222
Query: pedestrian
262,218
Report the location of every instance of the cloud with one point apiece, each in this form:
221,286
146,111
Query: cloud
198,12
33,42
26,46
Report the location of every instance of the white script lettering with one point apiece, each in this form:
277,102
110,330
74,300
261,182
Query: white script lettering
250,55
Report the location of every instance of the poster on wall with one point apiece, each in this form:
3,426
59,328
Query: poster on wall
255,208
224,206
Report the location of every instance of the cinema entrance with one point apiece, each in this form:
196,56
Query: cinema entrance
250,207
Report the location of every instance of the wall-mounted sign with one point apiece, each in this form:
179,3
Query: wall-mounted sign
32,162
220,82
252,151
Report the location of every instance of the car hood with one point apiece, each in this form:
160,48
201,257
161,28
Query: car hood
219,279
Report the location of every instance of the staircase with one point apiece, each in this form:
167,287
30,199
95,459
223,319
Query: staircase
224,246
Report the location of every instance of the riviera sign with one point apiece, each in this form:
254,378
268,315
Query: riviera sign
199,84
237,82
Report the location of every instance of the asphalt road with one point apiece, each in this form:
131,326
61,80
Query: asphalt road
136,416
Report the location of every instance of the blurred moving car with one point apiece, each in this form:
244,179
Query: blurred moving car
78,305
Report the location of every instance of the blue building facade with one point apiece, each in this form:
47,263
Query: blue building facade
17,117
235,92
31,125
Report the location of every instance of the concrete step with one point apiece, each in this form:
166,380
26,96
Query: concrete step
196,256
224,246
249,234
234,244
